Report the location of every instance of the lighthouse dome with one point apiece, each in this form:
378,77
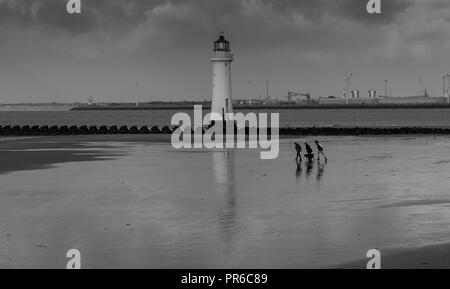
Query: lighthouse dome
221,44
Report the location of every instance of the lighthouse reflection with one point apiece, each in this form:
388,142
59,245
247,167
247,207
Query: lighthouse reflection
223,170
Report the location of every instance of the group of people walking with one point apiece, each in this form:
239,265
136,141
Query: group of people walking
309,151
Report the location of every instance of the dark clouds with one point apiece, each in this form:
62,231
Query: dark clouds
354,9
303,25
126,13
346,9
115,25
44,13
96,13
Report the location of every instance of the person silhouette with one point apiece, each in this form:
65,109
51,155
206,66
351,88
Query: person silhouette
309,152
320,151
298,149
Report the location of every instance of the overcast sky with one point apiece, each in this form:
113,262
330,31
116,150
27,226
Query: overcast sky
299,45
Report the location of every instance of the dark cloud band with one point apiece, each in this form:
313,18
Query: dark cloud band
129,13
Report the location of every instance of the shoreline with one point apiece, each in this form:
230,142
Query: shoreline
22,153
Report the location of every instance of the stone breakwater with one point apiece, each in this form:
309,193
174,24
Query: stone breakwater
111,130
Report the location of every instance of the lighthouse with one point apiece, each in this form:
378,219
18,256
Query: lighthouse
221,79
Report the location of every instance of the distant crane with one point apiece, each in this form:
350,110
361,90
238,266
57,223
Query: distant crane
448,83
447,93
291,95
348,82
90,100
422,84
137,92
386,88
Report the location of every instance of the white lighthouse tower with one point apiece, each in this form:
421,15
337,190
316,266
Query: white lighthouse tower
221,79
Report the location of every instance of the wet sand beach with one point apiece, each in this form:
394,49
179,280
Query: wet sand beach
429,257
31,153
135,202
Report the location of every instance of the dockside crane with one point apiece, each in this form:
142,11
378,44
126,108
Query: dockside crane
348,82
422,84
90,101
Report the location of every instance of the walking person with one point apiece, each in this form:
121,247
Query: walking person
320,151
309,152
298,149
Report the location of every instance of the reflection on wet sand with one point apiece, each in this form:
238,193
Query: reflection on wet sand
298,172
310,168
320,170
223,169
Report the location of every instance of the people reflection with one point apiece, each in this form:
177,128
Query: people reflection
309,167
298,172
320,169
